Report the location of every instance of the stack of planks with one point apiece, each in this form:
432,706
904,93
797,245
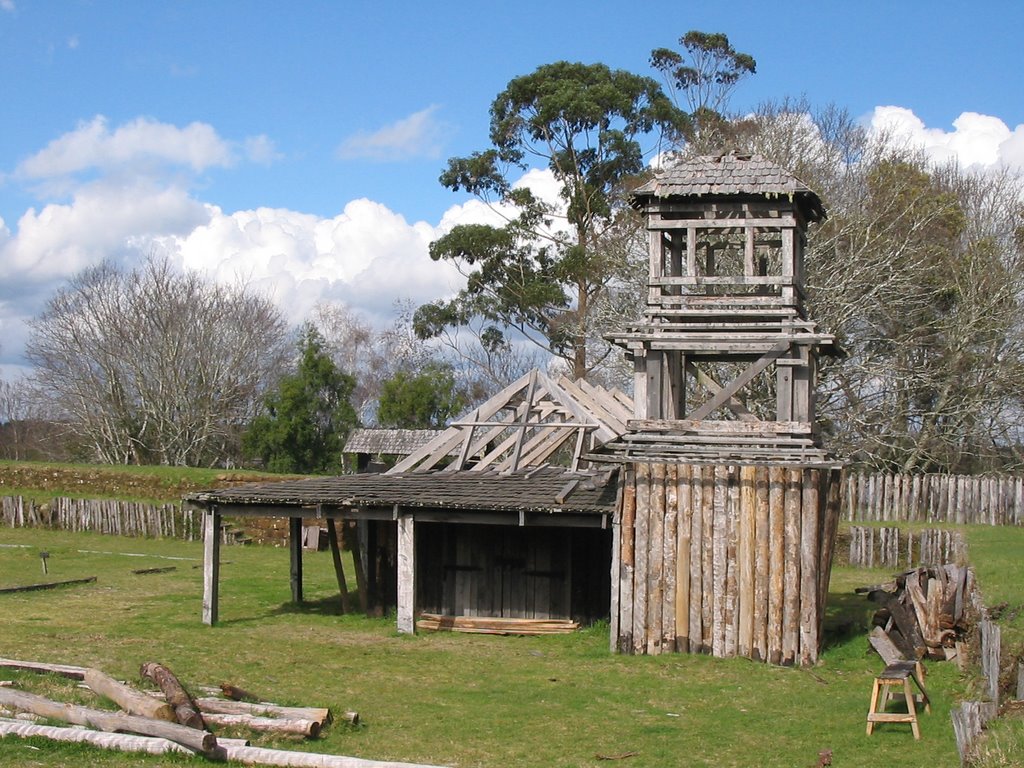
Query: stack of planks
487,625
168,721
922,612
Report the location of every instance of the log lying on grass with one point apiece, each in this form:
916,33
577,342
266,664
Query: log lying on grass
286,726
235,693
127,698
185,708
281,757
47,585
122,742
64,670
197,741
320,715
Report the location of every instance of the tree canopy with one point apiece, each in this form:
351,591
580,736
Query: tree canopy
542,273
308,416
426,399
152,365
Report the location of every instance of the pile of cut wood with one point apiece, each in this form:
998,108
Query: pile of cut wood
922,612
168,720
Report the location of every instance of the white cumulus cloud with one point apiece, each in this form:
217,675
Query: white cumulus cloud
418,135
94,146
975,140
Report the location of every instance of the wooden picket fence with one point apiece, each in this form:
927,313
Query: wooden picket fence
958,499
122,518
891,547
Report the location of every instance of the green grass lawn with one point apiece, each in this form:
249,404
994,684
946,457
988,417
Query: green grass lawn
449,699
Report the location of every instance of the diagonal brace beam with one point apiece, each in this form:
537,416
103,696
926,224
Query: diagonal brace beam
729,390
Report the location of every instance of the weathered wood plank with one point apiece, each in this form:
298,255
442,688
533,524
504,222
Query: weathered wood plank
684,500
745,555
776,558
810,514
791,586
642,549
670,560
720,544
696,557
762,561
656,559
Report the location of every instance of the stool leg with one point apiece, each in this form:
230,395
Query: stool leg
874,703
908,693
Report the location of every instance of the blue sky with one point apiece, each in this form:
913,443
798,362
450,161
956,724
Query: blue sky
298,145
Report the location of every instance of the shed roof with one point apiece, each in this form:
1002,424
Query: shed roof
728,175
396,442
537,489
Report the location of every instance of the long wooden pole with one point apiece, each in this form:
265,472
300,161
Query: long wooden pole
196,740
211,566
122,742
295,552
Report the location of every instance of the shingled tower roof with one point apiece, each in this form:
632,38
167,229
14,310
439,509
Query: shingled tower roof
732,174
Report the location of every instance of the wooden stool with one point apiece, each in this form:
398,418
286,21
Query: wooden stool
898,674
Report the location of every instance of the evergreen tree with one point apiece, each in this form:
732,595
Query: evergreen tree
308,417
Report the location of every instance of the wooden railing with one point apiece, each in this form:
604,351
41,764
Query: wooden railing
955,499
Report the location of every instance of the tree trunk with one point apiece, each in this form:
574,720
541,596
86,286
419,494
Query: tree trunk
185,708
127,698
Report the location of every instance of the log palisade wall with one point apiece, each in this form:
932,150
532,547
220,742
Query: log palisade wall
724,559
959,499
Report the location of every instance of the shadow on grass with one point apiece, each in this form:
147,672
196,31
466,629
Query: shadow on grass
327,606
847,615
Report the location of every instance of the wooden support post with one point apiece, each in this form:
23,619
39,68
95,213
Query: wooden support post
295,549
810,548
339,569
406,574
357,566
211,565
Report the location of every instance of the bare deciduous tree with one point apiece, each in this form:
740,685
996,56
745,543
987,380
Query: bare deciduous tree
155,366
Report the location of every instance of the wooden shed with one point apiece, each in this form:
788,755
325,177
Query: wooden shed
494,517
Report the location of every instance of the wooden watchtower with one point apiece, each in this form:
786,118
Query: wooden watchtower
725,537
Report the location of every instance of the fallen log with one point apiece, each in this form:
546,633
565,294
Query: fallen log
64,670
237,694
309,729
185,709
197,741
282,757
320,715
47,585
122,742
127,698
147,571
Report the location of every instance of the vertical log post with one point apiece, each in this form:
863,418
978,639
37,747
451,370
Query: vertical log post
406,574
211,565
295,551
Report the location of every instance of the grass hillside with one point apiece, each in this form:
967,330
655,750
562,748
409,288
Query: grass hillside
42,481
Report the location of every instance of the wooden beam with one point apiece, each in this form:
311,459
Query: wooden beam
211,565
708,382
406,574
730,390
